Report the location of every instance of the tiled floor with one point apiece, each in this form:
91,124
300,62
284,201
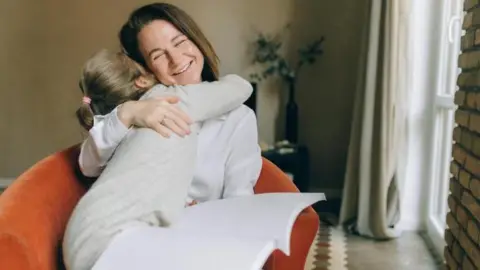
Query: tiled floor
410,251
407,252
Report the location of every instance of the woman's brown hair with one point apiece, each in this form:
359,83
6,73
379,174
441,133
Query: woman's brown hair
108,80
181,20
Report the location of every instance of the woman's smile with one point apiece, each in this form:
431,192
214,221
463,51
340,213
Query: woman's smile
184,68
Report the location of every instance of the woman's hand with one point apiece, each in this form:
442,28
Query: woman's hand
192,203
159,114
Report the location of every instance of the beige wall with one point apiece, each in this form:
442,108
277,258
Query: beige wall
326,91
44,44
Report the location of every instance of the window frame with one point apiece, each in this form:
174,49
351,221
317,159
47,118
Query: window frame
443,110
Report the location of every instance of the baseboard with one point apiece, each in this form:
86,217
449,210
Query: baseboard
329,192
5,182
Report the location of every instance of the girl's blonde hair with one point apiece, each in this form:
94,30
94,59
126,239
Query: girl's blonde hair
108,80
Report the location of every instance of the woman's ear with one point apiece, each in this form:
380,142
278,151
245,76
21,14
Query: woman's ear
143,82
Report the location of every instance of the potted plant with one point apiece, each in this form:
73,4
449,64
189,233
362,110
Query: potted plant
267,55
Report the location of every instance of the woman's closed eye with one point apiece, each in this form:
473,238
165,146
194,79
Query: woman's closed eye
158,55
177,44
180,42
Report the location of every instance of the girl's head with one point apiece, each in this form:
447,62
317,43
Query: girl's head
107,80
166,41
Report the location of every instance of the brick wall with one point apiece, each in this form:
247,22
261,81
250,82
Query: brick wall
463,220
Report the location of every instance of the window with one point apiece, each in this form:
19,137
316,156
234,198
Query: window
444,107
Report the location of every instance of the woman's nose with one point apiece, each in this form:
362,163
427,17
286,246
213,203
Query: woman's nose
176,57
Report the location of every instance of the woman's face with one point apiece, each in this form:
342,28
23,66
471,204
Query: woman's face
169,54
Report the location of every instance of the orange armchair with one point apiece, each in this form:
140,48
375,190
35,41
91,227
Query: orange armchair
35,209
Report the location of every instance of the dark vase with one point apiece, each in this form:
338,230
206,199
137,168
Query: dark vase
291,124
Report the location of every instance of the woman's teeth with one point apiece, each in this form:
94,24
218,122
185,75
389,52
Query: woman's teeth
183,69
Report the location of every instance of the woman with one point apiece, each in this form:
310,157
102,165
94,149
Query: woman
167,42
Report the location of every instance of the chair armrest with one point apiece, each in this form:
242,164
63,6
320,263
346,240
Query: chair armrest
34,211
303,233
272,179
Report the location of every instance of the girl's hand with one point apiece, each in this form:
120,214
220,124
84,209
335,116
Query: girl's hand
159,114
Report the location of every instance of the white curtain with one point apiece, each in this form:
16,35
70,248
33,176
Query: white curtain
370,204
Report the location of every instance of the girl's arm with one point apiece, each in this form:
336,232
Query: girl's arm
207,100
109,130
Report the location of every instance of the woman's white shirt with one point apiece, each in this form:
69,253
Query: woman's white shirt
228,155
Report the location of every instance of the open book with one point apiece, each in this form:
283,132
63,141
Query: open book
236,234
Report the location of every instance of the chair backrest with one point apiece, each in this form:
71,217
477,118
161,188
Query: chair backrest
34,211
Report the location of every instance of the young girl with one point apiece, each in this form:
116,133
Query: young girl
147,179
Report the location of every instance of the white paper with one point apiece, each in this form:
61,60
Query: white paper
150,248
236,234
263,216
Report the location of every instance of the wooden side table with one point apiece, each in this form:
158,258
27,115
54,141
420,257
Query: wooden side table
293,159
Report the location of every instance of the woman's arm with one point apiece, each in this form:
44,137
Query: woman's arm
104,137
244,161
